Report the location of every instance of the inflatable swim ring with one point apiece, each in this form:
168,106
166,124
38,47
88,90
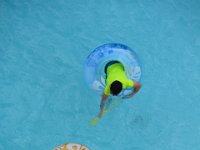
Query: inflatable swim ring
99,57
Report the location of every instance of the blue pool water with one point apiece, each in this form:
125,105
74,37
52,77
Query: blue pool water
44,101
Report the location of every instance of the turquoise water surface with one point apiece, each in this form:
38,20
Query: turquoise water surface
44,100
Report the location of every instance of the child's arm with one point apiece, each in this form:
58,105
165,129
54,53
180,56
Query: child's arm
103,99
137,86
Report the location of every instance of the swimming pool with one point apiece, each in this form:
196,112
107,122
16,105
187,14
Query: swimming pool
44,101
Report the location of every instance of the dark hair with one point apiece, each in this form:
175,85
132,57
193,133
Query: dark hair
116,87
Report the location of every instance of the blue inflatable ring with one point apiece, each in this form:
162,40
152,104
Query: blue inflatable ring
99,57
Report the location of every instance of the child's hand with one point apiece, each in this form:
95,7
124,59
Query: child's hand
131,95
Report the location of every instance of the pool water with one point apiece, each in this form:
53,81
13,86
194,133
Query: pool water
44,100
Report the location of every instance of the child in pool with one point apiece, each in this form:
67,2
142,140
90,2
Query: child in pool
116,81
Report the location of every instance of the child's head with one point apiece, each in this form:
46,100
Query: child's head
116,87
